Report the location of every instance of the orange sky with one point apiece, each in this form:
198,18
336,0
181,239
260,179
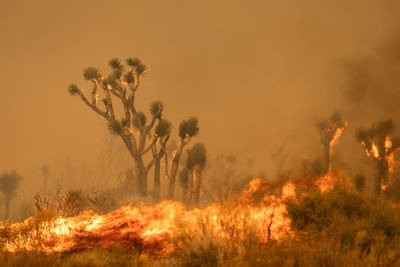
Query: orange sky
256,73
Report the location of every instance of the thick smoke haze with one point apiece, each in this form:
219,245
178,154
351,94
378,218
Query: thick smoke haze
257,74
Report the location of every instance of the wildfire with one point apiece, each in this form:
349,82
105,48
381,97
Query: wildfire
153,228
388,155
338,133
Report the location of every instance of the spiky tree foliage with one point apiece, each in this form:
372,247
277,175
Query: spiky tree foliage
328,128
91,73
378,144
9,183
45,172
120,86
187,129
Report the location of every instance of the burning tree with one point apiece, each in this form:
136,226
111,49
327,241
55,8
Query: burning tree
9,183
379,147
137,133
330,129
190,176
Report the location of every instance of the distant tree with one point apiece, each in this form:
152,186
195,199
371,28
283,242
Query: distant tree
359,182
330,130
45,172
377,141
190,177
9,183
137,133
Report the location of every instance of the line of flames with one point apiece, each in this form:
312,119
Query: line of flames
153,228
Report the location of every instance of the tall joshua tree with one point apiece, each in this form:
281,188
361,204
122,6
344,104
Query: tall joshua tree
9,183
330,129
377,141
187,129
190,176
138,134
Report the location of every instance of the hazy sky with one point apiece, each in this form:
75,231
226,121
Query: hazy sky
257,74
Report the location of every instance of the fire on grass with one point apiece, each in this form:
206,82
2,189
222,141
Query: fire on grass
153,229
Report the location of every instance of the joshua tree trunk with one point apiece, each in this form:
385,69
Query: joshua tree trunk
196,184
7,207
382,175
327,157
174,168
141,173
157,171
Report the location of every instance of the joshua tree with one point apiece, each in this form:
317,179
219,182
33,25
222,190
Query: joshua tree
187,129
379,147
9,183
45,172
330,129
190,177
137,133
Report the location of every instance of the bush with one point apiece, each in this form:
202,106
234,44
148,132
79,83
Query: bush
347,216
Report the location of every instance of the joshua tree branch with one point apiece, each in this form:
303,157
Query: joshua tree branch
110,107
166,175
158,155
94,93
94,107
153,140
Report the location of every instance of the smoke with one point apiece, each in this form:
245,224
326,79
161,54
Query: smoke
257,75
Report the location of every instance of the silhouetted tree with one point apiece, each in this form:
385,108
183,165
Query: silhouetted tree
9,183
45,172
330,129
379,147
137,133
187,129
190,177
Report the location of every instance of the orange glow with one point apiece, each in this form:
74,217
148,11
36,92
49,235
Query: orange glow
151,228
337,135
325,183
373,152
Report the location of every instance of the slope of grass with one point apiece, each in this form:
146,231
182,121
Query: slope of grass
338,228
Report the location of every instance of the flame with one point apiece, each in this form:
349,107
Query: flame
373,152
325,183
388,156
152,228
338,133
